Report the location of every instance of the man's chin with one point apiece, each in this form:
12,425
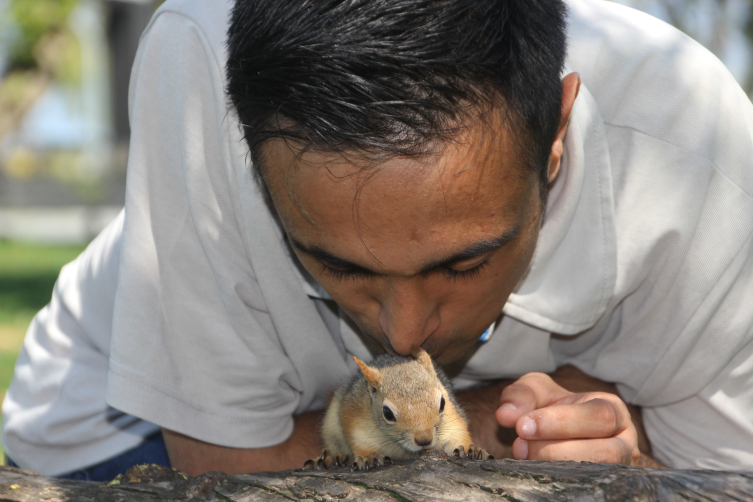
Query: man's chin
453,359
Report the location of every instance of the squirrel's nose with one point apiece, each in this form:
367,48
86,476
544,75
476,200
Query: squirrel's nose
423,441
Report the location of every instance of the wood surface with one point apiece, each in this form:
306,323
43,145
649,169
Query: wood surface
430,477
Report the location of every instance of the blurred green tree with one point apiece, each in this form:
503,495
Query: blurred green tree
44,51
36,20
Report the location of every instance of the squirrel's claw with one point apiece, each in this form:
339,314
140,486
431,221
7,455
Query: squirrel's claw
357,464
324,461
377,459
341,460
475,452
372,461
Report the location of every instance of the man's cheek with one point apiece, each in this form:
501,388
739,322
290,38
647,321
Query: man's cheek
357,303
367,322
345,292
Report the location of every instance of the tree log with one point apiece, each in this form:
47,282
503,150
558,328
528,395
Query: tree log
432,476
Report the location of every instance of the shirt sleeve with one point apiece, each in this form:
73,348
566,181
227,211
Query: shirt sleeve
711,430
193,346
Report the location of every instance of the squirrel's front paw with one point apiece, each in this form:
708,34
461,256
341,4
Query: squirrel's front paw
372,461
475,452
326,460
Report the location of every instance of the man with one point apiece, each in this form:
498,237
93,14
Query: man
395,173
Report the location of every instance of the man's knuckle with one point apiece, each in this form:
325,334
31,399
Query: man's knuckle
537,375
623,452
613,408
604,396
620,452
534,378
606,415
520,387
511,390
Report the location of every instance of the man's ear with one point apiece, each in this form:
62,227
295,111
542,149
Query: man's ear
570,90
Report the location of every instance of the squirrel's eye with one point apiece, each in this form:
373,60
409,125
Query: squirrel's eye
388,415
441,405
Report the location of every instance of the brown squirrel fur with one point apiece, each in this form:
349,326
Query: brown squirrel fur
391,410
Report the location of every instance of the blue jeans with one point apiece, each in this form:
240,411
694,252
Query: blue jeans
151,451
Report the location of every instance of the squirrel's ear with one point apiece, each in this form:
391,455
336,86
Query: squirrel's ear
422,357
372,375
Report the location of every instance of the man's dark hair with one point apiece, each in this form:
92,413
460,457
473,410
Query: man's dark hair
390,77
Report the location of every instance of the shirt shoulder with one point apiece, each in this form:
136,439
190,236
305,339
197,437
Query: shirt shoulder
650,79
211,18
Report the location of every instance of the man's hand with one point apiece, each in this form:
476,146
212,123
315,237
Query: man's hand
555,424
564,416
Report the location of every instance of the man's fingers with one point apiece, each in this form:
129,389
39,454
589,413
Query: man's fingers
600,417
528,393
555,424
594,427
612,450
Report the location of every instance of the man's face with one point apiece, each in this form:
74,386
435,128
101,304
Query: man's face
422,251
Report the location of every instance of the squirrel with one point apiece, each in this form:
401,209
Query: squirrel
391,410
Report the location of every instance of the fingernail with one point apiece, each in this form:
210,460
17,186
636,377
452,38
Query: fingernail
521,450
509,406
528,429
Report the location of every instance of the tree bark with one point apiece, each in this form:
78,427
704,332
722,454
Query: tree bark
432,476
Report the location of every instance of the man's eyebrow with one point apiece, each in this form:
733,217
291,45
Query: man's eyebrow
325,256
472,251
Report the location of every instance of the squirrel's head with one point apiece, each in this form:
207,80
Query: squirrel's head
408,400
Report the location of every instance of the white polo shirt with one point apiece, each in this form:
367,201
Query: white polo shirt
189,312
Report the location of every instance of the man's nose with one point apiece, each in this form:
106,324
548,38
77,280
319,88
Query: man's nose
408,316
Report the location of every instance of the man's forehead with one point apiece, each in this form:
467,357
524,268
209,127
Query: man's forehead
416,210
454,187
485,147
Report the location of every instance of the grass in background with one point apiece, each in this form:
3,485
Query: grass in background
27,276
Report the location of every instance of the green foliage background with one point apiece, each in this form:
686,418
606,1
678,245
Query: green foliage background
35,19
